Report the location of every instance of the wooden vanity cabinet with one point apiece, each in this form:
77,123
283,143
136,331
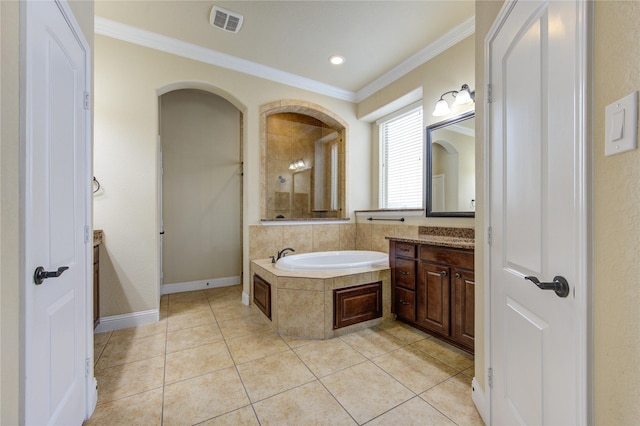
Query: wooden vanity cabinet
433,290
96,285
403,263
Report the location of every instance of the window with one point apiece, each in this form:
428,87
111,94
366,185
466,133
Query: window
401,154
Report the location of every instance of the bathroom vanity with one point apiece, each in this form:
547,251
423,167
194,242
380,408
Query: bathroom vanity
432,284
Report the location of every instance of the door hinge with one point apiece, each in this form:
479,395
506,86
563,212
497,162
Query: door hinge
490,377
87,100
86,234
87,367
489,232
489,99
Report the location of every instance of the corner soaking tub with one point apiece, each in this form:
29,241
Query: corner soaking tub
328,260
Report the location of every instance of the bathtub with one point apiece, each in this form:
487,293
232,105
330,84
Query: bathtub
327,260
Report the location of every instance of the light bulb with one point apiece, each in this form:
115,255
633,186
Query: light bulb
463,97
442,108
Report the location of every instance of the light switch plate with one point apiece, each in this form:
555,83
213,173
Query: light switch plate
621,125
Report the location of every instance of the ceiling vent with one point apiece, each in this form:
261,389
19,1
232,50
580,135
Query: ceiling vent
225,19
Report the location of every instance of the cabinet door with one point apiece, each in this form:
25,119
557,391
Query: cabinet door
262,295
462,316
405,304
404,273
433,297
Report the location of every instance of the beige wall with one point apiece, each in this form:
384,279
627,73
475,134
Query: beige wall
127,78
616,196
201,194
10,241
9,215
447,71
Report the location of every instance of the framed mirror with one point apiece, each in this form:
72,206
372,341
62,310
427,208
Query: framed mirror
450,167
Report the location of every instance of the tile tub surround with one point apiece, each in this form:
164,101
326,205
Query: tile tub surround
302,302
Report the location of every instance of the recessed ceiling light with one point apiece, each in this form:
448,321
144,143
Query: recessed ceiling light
336,59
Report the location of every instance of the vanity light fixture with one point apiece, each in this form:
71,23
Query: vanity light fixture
461,97
336,59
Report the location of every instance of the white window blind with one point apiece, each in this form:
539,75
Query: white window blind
401,156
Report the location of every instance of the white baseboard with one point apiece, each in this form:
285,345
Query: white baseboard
245,298
117,322
480,400
199,285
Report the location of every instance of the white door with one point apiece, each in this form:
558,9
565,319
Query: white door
56,188
537,209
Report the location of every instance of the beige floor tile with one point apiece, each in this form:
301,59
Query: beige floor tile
231,311
366,391
249,324
191,319
371,343
453,399
217,293
309,404
254,346
402,331
244,416
99,343
204,397
164,306
414,368
145,330
192,337
129,379
325,357
101,338
446,353
296,342
197,361
187,295
273,374
127,351
141,409
415,412
470,372
225,299
188,306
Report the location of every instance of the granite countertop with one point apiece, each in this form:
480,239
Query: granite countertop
97,237
462,238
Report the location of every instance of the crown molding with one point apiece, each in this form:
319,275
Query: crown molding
128,33
131,34
451,38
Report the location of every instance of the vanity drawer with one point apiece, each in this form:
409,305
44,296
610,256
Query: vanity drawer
405,250
405,273
405,304
447,256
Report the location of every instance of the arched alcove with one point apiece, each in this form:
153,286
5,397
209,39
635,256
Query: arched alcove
303,167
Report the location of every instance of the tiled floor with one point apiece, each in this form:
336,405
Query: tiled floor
213,361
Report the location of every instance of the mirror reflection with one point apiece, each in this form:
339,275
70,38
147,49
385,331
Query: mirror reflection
304,168
450,166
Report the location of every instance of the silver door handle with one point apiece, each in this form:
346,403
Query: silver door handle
559,285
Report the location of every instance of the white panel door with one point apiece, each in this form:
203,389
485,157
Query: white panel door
536,210
56,185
